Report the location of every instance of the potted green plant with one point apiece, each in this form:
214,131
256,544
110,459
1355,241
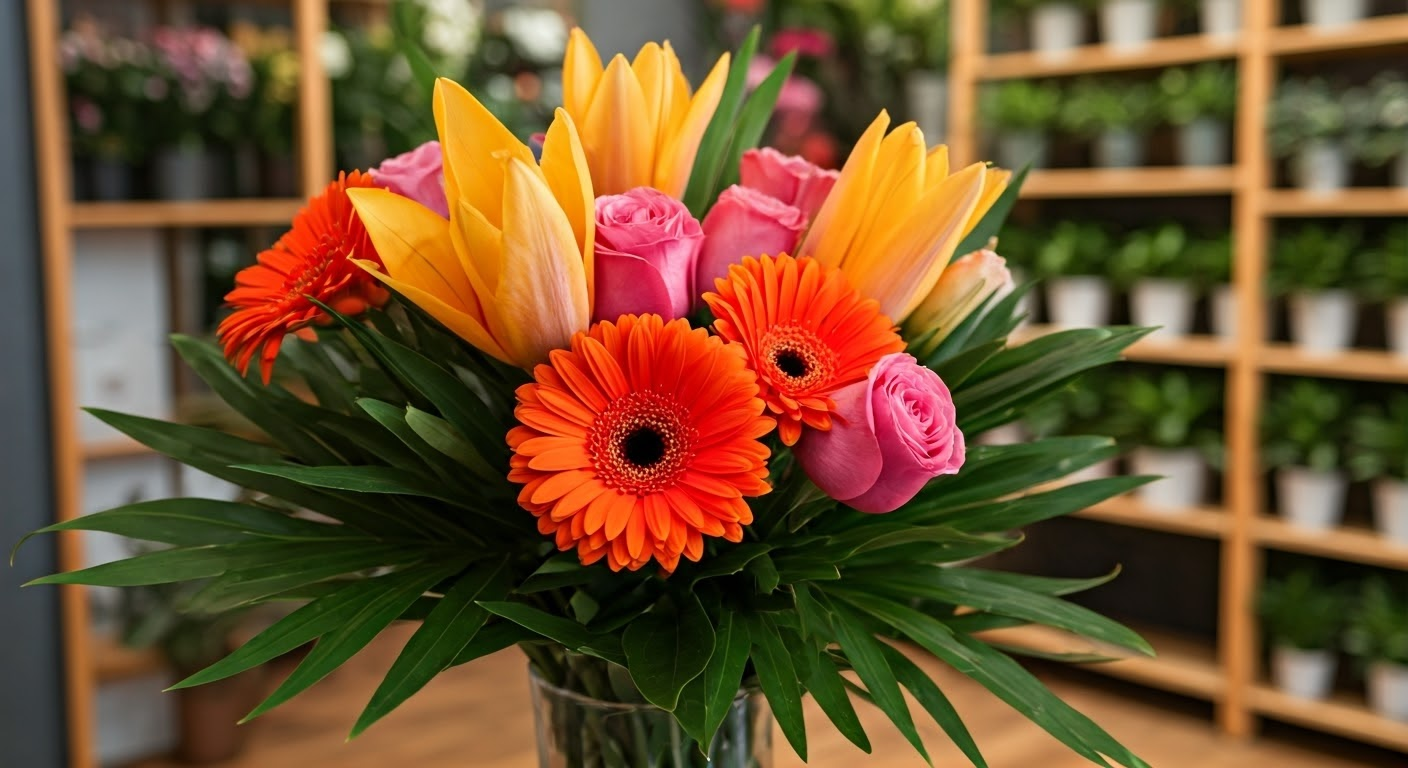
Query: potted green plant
922,56
1129,25
1302,617
1021,113
1328,14
1170,418
1308,123
1153,265
1072,262
1079,408
1378,636
1055,27
1380,129
1115,115
1381,276
1303,439
1311,267
1209,259
1199,102
1378,453
1220,19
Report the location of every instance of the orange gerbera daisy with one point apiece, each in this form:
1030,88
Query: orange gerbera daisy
639,442
314,258
806,331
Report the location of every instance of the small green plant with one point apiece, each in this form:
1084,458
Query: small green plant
1171,408
1188,93
1022,105
1074,248
1019,245
1157,252
1313,257
1379,120
1304,111
1303,425
1301,611
1079,408
1381,274
1378,626
1095,105
1209,259
1378,440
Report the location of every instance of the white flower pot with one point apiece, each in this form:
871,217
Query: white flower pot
1303,674
1323,322
1322,167
1056,28
1128,24
1224,311
1203,142
1078,301
1164,303
1221,18
1119,148
1007,434
1388,690
1184,480
1397,312
1097,471
1311,499
1017,148
1026,305
1328,14
1400,170
1391,509
926,95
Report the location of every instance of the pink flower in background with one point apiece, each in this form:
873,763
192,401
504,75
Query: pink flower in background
805,41
788,178
798,95
892,434
745,222
417,174
647,244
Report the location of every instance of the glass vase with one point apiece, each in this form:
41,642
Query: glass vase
577,731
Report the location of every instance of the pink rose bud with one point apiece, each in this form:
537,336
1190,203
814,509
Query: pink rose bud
891,434
647,245
418,174
788,178
963,287
745,222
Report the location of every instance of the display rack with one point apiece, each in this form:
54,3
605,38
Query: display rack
1228,674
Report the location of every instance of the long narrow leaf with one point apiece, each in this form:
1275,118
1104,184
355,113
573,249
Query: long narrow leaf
932,699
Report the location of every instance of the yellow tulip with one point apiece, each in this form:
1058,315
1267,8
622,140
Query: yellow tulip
640,125
511,270
897,214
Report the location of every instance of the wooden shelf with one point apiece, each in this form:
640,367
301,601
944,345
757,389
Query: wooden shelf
1169,181
116,448
1362,201
201,213
1345,716
1359,545
1183,665
1206,522
1362,364
114,661
1163,52
1365,36
1199,350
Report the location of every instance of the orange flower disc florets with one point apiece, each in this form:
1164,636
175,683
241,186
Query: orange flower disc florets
806,331
311,259
639,441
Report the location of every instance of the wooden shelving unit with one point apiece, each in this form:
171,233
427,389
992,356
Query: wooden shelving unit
201,213
1229,674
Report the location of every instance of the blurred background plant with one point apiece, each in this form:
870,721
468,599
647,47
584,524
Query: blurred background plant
1303,424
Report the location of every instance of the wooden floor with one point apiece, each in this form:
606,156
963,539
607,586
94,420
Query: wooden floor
478,716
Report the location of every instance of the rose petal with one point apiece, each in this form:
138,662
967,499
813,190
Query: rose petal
845,461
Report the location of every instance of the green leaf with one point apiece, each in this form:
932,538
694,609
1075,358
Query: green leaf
778,679
713,146
992,221
765,573
1019,512
932,699
560,570
668,647
443,437
753,120
357,629
446,631
867,657
732,559
191,563
992,472
565,632
956,370
494,637
723,676
241,586
314,364
358,479
828,689
1041,584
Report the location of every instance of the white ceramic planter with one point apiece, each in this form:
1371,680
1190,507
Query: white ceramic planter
1078,301
1311,499
1221,18
1097,471
926,94
1184,479
1391,509
1328,14
1119,148
1303,674
1400,170
1203,142
1388,690
1017,148
1007,434
1397,313
1322,167
1164,303
1224,311
1322,322
1128,24
1056,29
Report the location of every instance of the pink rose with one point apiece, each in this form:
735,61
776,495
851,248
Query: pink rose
745,222
418,174
806,41
790,179
891,434
647,245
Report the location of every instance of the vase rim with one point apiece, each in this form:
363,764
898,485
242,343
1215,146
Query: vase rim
538,681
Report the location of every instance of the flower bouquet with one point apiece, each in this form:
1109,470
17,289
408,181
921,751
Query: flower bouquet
699,448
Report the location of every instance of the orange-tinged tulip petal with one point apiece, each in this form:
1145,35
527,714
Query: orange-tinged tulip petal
581,69
415,246
616,135
994,184
564,166
836,223
657,83
459,322
470,138
676,159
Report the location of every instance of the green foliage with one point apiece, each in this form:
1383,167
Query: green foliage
1378,625
1304,111
1019,105
1166,408
1303,424
1381,273
1379,119
1378,439
1094,105
1156,252
1188,93
1313,257
1301,611
1209,259
1074,248
153,617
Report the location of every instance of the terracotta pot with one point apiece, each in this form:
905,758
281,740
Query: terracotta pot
210,714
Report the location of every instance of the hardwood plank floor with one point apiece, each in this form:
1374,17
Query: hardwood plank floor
478,715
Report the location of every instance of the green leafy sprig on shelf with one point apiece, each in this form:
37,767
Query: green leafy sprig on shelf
1305,110
1313,257
1209,259
1159,252
1378,439
1075,248
1166,408
1205,91
1092,106
1300,611
1378,625
1379,119
1381,273
1021,105
1303,424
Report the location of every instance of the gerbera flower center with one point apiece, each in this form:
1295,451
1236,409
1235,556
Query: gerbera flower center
797,360
643,447
641,443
